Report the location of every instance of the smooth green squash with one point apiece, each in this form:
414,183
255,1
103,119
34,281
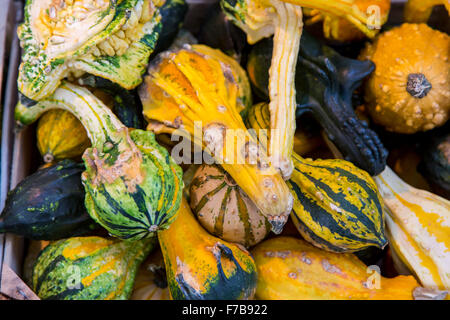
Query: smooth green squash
48,205
200,266
89,268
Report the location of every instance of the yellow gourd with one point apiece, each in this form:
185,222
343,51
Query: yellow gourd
338,28
60,135
409,90
291,269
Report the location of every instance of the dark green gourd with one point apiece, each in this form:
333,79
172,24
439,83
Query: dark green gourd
48,205
325,83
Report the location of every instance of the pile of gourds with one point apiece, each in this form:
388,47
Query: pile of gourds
174,168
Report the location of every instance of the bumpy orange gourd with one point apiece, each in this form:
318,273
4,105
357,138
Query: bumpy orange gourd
409,90
291,269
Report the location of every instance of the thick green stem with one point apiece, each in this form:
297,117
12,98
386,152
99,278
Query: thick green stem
98,120
288,31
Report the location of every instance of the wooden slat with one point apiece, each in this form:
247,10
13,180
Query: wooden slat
13,287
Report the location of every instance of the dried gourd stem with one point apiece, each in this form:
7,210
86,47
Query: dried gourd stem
418,85
288,31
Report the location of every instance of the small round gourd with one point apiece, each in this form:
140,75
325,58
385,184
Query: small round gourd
60,135
224,209
409,90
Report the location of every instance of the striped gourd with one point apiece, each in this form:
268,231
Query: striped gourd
224,209
337,206
418,225
133,187
89,268
60,135
200,266
195,92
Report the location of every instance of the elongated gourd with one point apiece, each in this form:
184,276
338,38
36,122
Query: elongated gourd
201,266
89,268
224,209
417,11
133,187
283,19
418,225
195,92
60,135
337,206
292,269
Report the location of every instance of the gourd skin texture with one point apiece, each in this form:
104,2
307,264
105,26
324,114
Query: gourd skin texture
291,269
109,39
224,209
341,29
418,224
60,135
409,90
337,206
48,205
200,266
194,92
89,268
417,11
133,186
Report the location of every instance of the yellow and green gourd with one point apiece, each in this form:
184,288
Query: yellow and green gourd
337,206
200,266
89,268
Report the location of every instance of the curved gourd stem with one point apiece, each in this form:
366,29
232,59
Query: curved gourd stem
98,120
418,224
417,11
288,32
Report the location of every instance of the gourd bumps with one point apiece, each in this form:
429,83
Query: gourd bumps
409,90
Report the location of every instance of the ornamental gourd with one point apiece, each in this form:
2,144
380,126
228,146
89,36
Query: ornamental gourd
224,209
292,269
60,135
340,29
337,206
200,266
263,18
196,92
48,205
89,268
133,187
418,225
110,39
324,88
409,90
417,11
151,279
